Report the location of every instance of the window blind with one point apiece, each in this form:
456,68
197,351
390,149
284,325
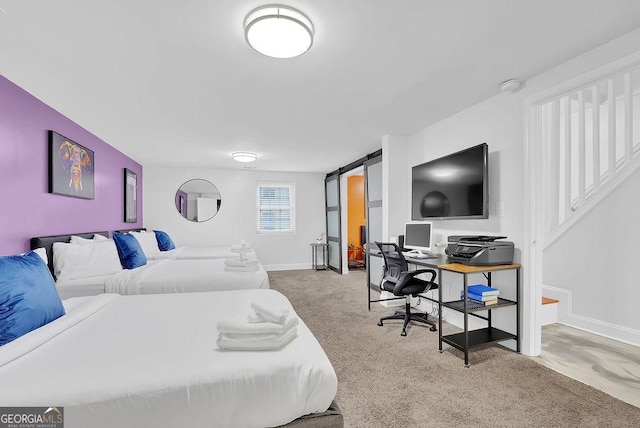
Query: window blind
276,207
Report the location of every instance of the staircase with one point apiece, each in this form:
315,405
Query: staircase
590,137
549,313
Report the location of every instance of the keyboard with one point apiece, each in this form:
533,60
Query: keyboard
419,255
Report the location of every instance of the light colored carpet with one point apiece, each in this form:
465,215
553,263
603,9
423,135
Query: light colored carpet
387,380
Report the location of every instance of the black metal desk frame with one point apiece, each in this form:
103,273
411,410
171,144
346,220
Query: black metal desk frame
469,339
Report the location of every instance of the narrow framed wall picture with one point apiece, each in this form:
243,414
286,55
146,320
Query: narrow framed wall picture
130,196
71,167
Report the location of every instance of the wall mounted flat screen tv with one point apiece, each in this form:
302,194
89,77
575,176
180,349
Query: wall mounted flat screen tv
452,187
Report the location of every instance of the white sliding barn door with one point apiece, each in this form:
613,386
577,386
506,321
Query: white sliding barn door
334,238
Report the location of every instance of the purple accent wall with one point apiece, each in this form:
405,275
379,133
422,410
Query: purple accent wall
26,207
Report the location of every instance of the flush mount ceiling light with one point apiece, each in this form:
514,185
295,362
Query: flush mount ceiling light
278,31
244,156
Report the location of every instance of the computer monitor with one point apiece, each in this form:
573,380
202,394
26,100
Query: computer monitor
417,235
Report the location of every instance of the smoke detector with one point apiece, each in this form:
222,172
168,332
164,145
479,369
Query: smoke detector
510,85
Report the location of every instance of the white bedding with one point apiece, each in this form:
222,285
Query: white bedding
184,276
199,252
131,361
91,286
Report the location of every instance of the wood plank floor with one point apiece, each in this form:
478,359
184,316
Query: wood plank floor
608,365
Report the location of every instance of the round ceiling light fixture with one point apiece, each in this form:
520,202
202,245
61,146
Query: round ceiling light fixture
244,156
278,31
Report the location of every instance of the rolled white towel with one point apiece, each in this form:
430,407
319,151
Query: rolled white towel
263,342
239,324
277,315
238,262
250,268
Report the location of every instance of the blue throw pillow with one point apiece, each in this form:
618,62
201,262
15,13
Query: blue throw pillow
164,241
28,296
129,251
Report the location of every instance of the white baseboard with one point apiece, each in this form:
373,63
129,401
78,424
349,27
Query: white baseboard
297,266
602,328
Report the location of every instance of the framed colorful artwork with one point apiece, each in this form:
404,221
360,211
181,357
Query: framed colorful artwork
71,168
130,196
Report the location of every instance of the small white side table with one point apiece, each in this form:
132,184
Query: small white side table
316,263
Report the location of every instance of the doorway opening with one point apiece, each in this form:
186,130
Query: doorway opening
356,221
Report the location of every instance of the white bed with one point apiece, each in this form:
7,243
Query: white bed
91,286
85,269
131,361
184,276
199,252
149,243
166,276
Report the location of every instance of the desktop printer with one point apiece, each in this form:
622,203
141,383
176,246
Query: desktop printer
479,250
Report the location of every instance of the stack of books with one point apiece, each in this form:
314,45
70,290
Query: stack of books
481,295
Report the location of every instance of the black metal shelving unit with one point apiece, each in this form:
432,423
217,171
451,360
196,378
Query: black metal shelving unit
468,339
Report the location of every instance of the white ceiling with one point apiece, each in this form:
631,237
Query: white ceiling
174,82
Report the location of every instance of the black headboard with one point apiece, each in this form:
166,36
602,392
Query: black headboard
130,230
47,242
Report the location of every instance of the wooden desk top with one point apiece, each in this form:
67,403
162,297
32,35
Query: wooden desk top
440,262
460,268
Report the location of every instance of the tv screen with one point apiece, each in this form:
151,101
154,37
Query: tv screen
452,187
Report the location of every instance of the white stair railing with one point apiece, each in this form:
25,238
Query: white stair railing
588,145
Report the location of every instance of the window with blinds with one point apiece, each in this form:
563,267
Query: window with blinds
276,207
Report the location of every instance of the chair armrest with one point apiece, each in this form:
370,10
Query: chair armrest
410,274
405,277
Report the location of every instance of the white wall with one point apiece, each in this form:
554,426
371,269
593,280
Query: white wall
591,267
236,219
396,181
499,121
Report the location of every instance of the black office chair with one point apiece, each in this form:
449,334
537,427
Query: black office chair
398,280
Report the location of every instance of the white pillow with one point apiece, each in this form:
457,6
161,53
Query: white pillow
148,242
75,240
71,261
42,253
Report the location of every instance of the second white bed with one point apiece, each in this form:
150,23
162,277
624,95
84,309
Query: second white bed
167,276
194,252
184,276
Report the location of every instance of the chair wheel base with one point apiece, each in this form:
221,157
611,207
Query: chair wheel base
408,317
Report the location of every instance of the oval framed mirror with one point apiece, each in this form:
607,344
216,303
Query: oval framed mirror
198,200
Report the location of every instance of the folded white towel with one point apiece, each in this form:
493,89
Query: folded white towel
239,324
247,255
254,318
263,342
240,247
277,315
250,268
237,262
